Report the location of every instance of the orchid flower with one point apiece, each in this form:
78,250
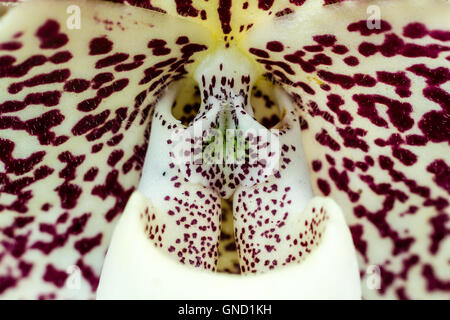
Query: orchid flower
224,149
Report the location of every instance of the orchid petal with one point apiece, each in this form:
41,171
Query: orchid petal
373,94
74,113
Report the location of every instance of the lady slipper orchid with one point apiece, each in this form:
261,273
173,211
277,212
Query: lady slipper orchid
257,149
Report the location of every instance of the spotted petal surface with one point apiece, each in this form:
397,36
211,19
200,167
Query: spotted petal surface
375,101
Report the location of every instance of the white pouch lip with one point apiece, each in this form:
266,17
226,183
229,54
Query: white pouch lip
135,269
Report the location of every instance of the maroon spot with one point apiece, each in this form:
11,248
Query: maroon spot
259,53
150,74
440,232
351,140
405,156
129,66
142,4
360,244
394,45
415,31
61,57
68,195
89,275
364,80
111,60
90,174
112,125
41,79
189,49
326,140
115,157
314,48
89,104
438,96
440,35
185,8
115,140
305,87
435,126
297,2
416,140
158,47
334,103
280,64
340,49
282,13
113,188
137,157
25,268
348,164
341,181
296,57
7,282
68,173
10,46
316,165
399,80
48,99
60,140
100,46
224,11
116,86
101,79
275,46
39,126
319,59
351,61
433,282
265,4
85,245
76,85
441,173
78,224
326,40
323,186
434,77
8,70
344,81
97,147
398,112
89,122
182,40
50,37
367,49
55,276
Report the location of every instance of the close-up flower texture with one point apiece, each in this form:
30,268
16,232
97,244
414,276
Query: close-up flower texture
225,149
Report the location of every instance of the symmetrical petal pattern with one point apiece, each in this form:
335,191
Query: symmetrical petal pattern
367,114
